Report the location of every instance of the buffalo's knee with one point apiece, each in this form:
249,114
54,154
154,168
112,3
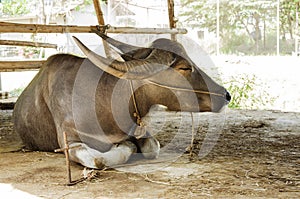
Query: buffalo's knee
149,147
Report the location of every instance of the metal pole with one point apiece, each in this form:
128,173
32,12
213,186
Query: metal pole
218,27
0,82
297,31
278,28
109,10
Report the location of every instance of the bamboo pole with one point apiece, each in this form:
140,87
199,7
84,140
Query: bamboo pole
99,12
6,27
27,43
129,30
172,22
9,66
101,22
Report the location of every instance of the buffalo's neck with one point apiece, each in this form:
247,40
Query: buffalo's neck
148,95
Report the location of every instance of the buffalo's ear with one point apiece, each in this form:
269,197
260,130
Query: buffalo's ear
123,47
113,54
130,52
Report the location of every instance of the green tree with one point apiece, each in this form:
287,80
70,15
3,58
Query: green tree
15,7
288,10
248,92
250,17
234,15
84,4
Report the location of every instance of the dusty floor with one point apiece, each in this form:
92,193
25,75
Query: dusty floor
256,154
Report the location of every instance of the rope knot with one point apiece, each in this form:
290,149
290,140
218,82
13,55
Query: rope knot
102,28
138,119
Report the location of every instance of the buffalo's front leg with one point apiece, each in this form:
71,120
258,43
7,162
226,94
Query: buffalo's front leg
118,154
149,147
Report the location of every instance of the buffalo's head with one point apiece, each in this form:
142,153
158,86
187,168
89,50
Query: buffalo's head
169,76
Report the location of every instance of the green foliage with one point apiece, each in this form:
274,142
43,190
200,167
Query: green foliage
249,19
87,3
247,93
16,92
288,10
237,45
84,4
15,7
243,45
31,52
234,15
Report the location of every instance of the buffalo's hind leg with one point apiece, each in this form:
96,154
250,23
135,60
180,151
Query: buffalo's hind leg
118,154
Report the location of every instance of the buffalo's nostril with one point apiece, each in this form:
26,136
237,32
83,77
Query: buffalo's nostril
228,96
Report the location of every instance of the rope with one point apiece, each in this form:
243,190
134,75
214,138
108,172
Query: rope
136,114
193,136
186,90
103,28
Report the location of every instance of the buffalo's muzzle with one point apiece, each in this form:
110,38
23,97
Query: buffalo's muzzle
227,96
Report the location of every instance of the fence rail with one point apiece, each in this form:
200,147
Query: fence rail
27,43
10,66
7,27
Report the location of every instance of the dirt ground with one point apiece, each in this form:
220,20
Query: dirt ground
243,154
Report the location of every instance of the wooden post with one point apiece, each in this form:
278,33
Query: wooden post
67,158
99,12
100,18
66,152
172,22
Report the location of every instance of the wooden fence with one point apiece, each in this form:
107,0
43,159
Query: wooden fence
6,27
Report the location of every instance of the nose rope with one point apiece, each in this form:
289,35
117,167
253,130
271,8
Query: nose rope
187,90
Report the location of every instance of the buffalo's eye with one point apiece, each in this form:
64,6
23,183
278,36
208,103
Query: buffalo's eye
186,69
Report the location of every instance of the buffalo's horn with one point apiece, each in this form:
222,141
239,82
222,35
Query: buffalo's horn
134,69
130,51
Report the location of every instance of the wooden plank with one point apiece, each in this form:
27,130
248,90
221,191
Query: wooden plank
6,27
9,66
27,43
7,105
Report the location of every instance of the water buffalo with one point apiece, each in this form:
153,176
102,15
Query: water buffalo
100,102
